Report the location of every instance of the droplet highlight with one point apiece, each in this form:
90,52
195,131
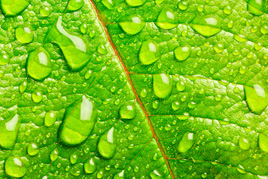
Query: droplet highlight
186,142
106,145
162,85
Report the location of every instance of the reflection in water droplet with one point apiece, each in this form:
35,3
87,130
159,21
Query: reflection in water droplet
15,167
132,25
162,85
74,5
127,112
186,142
183,5
166,19
106,145
206,26
14,7
182,53
24,34
148,52
135,2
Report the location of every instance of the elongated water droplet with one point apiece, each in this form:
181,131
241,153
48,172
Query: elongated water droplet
132,25
148,52
127,112
106,145
4,59
54,155
23,86
45,10
166,19
24,34
255,7
78,122
157,2
186,142
39,64
119,175
182,53
32,149
14,7
88,74
8,131
206,26
74,5
155,175
240,38
244,143
162,85
263,142
257,98
90,166
135,3
37,96
73,159
15,167
50,118
73,47
108,3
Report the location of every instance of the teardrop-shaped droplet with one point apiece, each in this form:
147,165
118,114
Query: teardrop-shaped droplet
15,167
14,7
256,7
162,85
127,112
54,155
180,86
263,142
148,52
157,2
45,10
182,53
132,25
186,142
23,86
9,131
4,58
90,166
206,26
120,175
106,145
78,122
135,3
50,118
39,64
32,149
166,19
73,159
244,143
240,38
108,3
155,175
257,98
74,5
24,34
73,47
88,74
37,96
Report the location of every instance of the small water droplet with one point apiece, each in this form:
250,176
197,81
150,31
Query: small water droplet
244,143
182,53
180,86
4,58
102,49
106,145
88,74
206,26
162,85
135,3
157,2
166,19
227,10
108,3
83,28
32,149
45,10
37,96
24,34
74,5
155,175
240,38
218,48
23,86
183,5
15,167
148,52
143,93
54,155
155,104
90,166
73,159
119,175
186,142
175,105
127,112
132,25
50,118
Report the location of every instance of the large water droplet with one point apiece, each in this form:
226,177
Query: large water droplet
24,34
155,175
135,2
39,64
148,52
244,143
14,7
119,175
255,7
45,10
162,85
15,167
166,19
257,98
106,145
132,25
127,112
206,26
186,142
90,166
50,118
78,122
74,5
8,131
4,58
32,149
73,47
263,142
182,53
54,155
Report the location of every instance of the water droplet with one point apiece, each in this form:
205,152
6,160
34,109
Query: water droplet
90,166
106,145
15,167
102,49
127,112
143,93
175,105
257,98
133,25
162,85
186,142
166,19
14,7
157,2
204,175
74,5
135,2
180,86
8,131
218,48
183,5
45,10
32,149
73,159
148,52
200,8
83,28
242,70
218,97
73,47
50,118
39,64
191,105
227,10
155,104
23,86
182,53
155,175
119,175
88,74
78,122
244,143
263,142
264,29
240,38
255,7
54,155
206,26
4,58
37,96
108,3
24,34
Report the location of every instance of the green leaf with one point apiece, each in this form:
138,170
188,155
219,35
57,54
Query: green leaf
134,89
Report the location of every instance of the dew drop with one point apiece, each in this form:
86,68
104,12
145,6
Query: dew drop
45,10
186,142
127,112
37,96
206,26
244,143
143,93
135,3
240,38
90,166
162,85
73,159
166,19
183,5
148,52
4,59
88,74
108,3
15,167
50,118
175,105
23,86
227,10
102,49
263,142
83,28
14,7
32,149
155,175
180,86
155,104
157,2
264,29
182,53
119,175
106,145
74,5
54,155
24,34
218,48
132,25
